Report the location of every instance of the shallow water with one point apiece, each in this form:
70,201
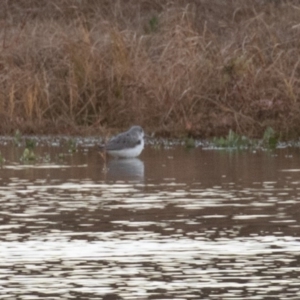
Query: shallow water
171,224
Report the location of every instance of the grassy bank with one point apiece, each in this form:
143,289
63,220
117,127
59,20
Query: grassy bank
195,69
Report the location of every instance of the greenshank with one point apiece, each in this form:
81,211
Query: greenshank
127,144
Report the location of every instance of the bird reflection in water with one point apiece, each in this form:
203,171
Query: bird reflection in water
125,169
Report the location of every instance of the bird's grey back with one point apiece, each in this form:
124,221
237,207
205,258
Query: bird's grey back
124,140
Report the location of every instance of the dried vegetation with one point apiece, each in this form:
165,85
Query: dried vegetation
196,68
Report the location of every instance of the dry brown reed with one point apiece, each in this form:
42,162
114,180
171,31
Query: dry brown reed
197,67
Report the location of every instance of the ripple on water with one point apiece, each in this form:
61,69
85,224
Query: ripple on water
76,236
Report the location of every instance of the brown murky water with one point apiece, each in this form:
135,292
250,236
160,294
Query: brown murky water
172,224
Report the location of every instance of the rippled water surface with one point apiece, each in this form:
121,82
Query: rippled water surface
171,224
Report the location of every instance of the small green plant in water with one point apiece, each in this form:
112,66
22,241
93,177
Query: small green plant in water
28,153
17,138
46,158
270,138
233,140
30,144
61,155
189,143
72,145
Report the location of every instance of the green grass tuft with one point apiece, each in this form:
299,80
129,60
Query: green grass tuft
235,141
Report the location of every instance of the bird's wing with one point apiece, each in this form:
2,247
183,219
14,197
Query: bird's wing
122,141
